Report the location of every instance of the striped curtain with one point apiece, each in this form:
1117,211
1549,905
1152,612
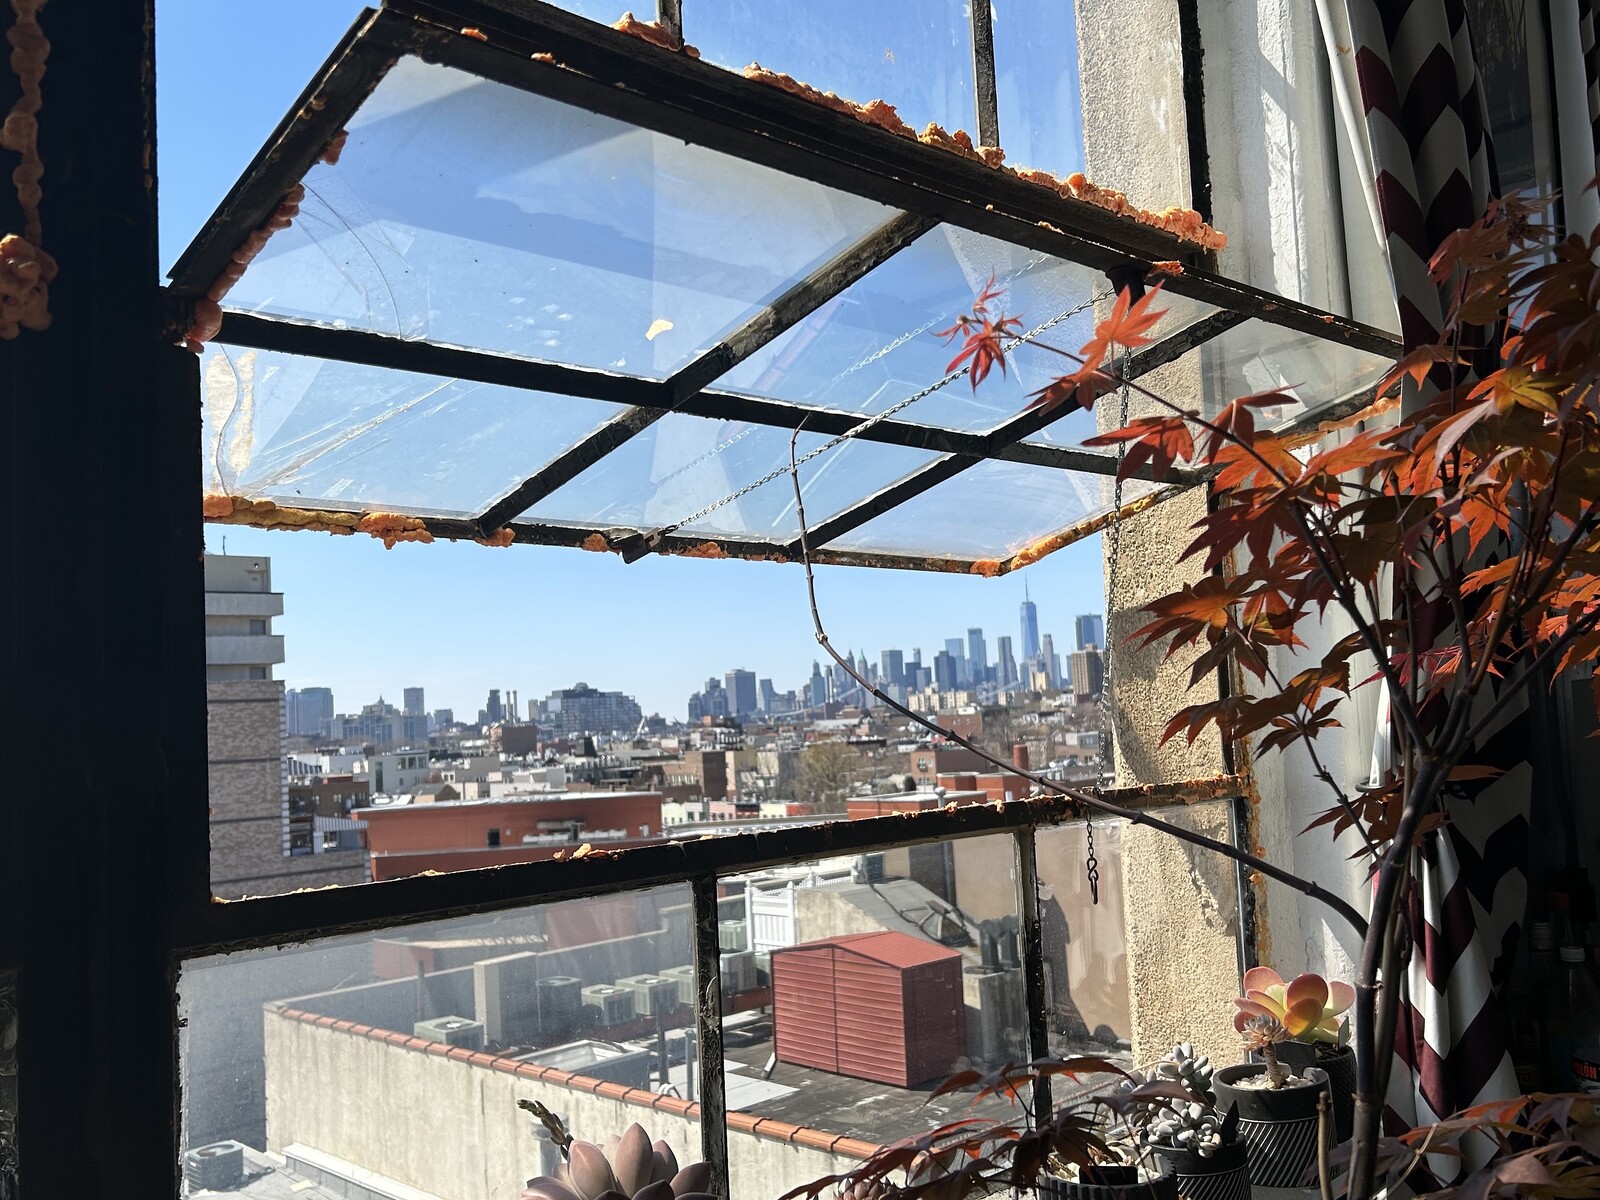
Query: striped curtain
1433,169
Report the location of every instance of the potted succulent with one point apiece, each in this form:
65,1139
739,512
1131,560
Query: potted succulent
629,1167
1279,1117
1311,1009
1196,1137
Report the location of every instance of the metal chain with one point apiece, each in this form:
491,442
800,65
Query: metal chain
1108,678
868,423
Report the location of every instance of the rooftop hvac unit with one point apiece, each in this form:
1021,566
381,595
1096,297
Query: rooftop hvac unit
218,1167
560,1005
453,1031
731,935
685,978
738,972
608,1005
653,995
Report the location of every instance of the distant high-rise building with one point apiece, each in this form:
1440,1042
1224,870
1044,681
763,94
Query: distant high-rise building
1050,660
1005,664
413,705
493,710
818,687
257,845
1091,630
1029,645
945,677
414,718
977,656
766,696
580,709
892,667
443,717
308,711
741,687
1088,675
956,648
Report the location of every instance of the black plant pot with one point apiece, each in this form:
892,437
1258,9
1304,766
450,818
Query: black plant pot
1340,1064
1119,1185
1278,1128
1223,1176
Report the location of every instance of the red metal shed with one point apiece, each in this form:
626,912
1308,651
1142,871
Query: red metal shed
883,1006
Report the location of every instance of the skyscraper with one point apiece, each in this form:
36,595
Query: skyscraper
956,648
1005,664
414,718
1050,660
494,710
414,706
977,656
741,686
766,696
309,710
944,671
1088,675
1029,645
1091,630
817,689
893,667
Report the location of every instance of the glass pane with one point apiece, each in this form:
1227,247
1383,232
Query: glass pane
305,429
991,511
851,989
476,214
8,1085
918,57
1036,84
681,464
1085,950
1258,357
397,1060
874,345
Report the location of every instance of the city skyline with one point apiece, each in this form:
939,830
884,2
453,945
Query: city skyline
591,625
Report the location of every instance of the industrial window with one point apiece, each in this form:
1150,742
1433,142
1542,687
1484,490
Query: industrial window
375,376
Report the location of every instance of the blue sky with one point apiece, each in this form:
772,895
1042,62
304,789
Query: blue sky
459,619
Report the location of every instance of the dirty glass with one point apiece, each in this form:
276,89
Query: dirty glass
475,214
341,1061
1085,946
853,987
1036,84
916,56
1258,357
682,464
305,430
990,511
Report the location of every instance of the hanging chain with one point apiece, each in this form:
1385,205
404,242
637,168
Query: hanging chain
868,423
1091,864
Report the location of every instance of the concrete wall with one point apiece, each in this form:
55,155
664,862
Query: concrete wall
450,1125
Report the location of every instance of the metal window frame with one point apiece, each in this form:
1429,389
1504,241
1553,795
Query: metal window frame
622,77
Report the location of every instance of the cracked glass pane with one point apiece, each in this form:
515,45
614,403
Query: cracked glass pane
990,511
305,430
683,464
475,214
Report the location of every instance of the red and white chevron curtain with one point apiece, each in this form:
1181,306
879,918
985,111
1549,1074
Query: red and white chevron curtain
1432,163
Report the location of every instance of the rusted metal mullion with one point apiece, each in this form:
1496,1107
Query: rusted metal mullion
1033,963
983,73
274,920
708,1030
669,15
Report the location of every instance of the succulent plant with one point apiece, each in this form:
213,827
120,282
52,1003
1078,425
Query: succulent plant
1309,1007
1264,1033
630,1167
1181,1125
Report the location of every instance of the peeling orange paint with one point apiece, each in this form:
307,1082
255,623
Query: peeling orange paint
653,32
596,542
504,536
987,567
25,269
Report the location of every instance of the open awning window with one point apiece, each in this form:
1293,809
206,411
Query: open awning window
533,280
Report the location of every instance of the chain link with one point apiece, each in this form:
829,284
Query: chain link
868,423
1107,755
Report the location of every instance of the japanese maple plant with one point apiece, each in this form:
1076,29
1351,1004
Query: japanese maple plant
1460,540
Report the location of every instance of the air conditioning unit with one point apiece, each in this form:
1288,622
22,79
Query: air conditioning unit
560,1006
867,868
653,995
738,972
731,935
607,1005
685,978
218,1167
453,1031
